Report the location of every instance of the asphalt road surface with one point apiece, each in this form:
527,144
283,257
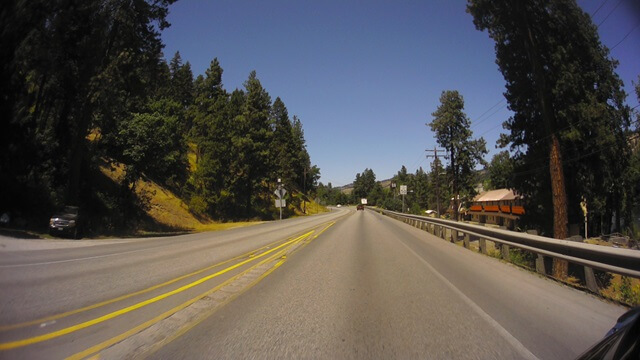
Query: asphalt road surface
347,284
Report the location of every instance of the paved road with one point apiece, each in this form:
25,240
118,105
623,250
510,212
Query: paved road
43,279
373,287
344,285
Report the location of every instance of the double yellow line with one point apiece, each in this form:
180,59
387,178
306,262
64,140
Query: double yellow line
86,324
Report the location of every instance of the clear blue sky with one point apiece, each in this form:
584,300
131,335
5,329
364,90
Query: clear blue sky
365,76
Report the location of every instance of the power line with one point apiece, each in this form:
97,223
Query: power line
500,124
489,109
418,160
493,113
564,162
629,33
610,12
599,7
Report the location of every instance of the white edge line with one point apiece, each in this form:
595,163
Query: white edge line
70,260
521,349
79,259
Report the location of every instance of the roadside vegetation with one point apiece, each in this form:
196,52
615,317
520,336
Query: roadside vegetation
568,142
96,117
571,148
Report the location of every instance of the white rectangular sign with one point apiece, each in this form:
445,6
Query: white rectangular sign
363,201
403,189
281,203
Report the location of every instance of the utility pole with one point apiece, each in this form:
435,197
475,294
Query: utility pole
304,191
435,156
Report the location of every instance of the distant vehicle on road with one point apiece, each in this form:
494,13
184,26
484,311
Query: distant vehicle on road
339,205
360,207
66,222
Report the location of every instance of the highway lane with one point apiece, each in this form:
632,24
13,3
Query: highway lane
39,284
373,287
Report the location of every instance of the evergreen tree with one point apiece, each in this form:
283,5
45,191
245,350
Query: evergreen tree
550,55
252,139
452,129
364,185
568,107
68,70
182,88
211,134
420,186
283,147
546,48
501,171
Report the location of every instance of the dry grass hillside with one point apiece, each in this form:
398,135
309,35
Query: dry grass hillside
164,207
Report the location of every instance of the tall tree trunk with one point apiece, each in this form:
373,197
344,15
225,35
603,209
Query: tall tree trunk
558,190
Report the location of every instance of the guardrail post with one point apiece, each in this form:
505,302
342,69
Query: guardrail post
604,260
540,268
483,245
590,280
504,249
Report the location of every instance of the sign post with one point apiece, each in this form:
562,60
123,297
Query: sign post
403,192
583,205
280,192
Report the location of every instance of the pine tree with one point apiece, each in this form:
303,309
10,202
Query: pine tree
452,129
567,103
254,132
282,148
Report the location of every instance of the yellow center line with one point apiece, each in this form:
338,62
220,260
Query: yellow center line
105,344
323,230
251,253
99,347
68,330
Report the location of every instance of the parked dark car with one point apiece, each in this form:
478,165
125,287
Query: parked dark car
621,342
66,222
360,207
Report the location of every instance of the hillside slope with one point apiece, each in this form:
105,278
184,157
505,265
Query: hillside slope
164,207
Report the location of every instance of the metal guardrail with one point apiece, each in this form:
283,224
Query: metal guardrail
615,260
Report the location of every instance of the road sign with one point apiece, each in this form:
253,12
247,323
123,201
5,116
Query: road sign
363,201
403,189
280,192
280,203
